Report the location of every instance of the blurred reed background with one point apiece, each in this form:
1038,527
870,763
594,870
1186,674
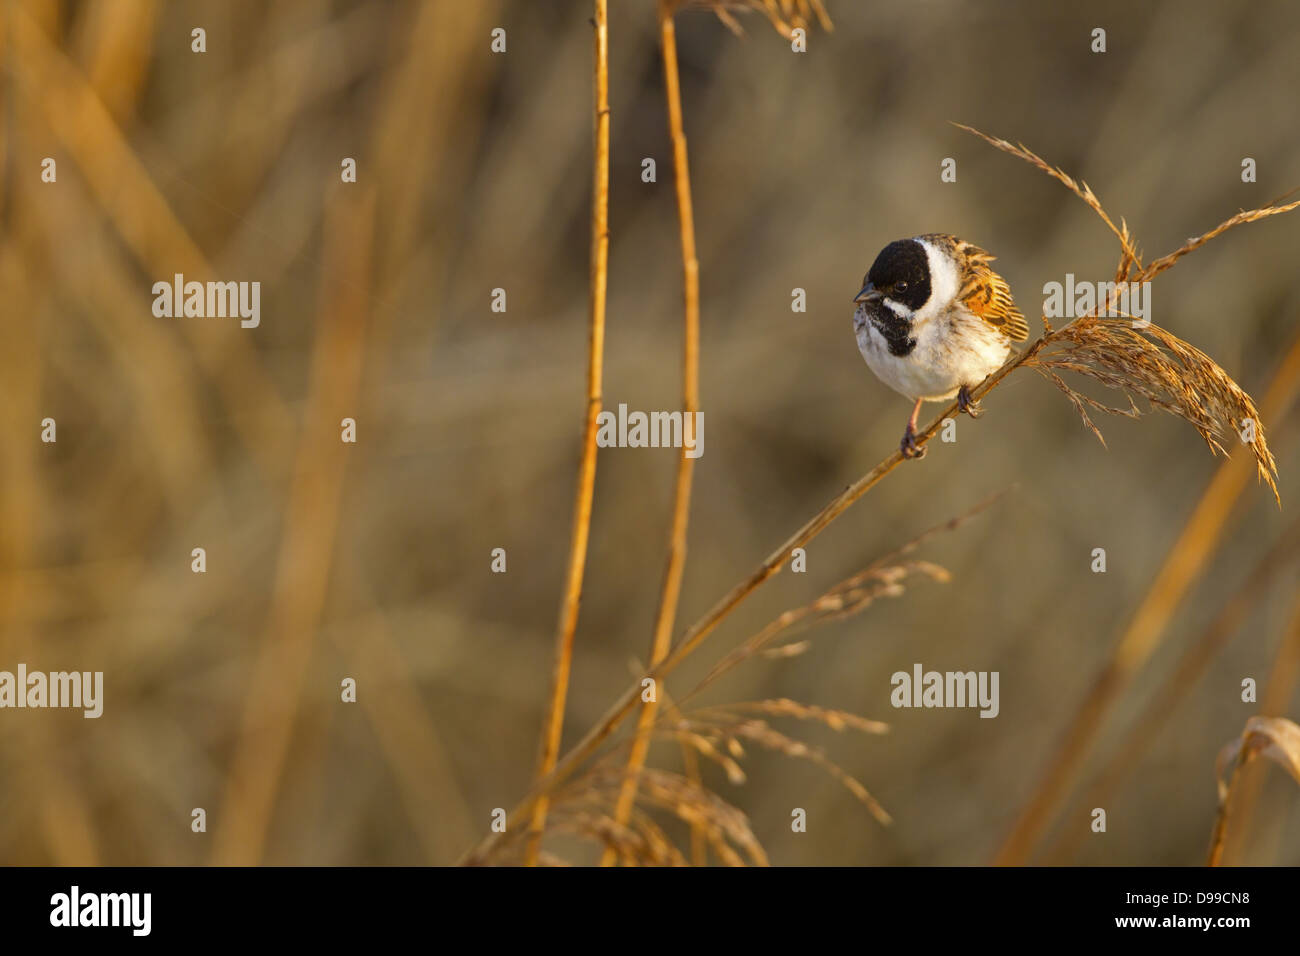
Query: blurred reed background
371,561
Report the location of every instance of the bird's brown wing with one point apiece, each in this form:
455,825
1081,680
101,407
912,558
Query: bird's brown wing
986,294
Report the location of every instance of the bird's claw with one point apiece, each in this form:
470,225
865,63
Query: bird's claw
967,404
908,446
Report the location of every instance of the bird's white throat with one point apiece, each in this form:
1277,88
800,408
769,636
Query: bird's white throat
945,283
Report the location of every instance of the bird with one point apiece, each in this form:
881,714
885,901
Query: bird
933,320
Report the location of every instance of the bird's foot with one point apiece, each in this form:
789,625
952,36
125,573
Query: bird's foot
908,446
967,404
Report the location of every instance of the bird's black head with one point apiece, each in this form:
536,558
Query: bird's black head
902,273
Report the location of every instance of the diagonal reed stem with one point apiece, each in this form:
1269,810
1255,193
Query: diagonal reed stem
568,624
672,584
1282,679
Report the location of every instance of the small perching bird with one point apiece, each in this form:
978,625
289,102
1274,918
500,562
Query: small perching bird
933,321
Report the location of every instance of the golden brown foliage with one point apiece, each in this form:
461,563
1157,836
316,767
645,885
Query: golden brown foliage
1139,360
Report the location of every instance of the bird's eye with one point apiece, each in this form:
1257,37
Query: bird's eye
900,285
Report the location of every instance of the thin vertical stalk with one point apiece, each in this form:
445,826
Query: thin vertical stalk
1218,837
568,624
672,583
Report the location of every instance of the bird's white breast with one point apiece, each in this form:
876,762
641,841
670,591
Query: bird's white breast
953,348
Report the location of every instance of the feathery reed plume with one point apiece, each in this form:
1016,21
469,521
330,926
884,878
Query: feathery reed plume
553,729
1163,369
885,577
715,733
1274,738
784,15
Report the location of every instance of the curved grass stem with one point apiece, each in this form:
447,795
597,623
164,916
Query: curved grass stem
568,623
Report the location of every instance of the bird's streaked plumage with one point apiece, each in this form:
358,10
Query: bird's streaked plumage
933,320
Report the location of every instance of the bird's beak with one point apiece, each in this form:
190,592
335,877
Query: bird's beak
868,294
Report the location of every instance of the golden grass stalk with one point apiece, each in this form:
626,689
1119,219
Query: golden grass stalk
554,726
1273,700
691,767
1273,738
1137,371
666,616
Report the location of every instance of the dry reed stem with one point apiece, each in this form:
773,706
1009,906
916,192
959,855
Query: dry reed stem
149,227
407,735
691,767
1274,738
310,527
568,624
699,631
666,616
64,814
1273,701
1182,567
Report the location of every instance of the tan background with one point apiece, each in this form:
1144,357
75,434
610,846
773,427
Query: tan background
371,561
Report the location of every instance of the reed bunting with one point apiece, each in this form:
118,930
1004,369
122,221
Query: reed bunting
933,321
